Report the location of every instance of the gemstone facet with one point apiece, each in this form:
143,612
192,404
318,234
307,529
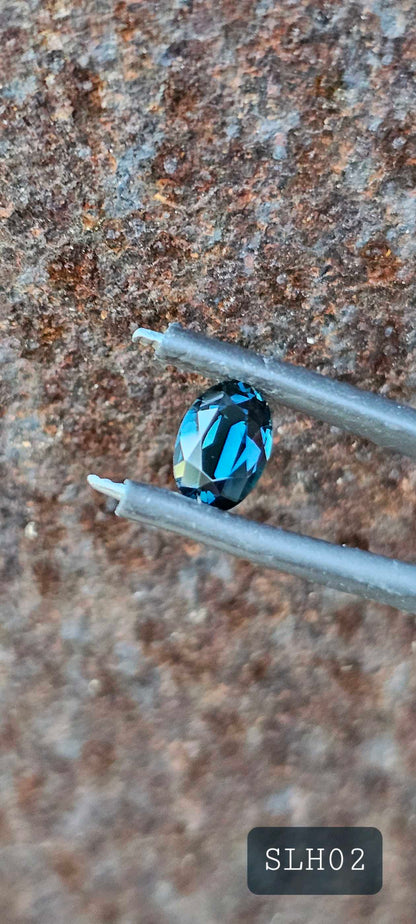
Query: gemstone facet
223,444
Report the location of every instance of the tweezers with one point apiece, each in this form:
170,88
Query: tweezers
374,417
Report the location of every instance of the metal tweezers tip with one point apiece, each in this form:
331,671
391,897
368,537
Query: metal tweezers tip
105,486
142,333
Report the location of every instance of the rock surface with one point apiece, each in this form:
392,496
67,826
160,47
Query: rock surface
247,169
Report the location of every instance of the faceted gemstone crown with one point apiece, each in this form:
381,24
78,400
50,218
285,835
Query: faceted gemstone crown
223,444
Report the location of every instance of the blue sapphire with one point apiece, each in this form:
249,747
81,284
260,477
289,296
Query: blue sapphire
223,444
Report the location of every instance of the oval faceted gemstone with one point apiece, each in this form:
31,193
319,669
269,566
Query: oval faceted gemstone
223,444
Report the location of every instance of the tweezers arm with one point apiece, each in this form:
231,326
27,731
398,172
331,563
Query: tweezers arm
352,570
371,416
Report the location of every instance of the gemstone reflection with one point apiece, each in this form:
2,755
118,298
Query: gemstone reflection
223,444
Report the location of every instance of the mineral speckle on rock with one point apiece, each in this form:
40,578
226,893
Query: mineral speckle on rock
247,169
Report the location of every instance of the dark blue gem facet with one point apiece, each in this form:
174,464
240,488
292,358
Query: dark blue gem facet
223,444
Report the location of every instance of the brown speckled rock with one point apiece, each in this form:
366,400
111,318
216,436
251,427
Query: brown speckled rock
248,169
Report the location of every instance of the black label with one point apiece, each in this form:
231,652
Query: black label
314,861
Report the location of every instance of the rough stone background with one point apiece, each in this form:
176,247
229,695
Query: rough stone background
247,168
